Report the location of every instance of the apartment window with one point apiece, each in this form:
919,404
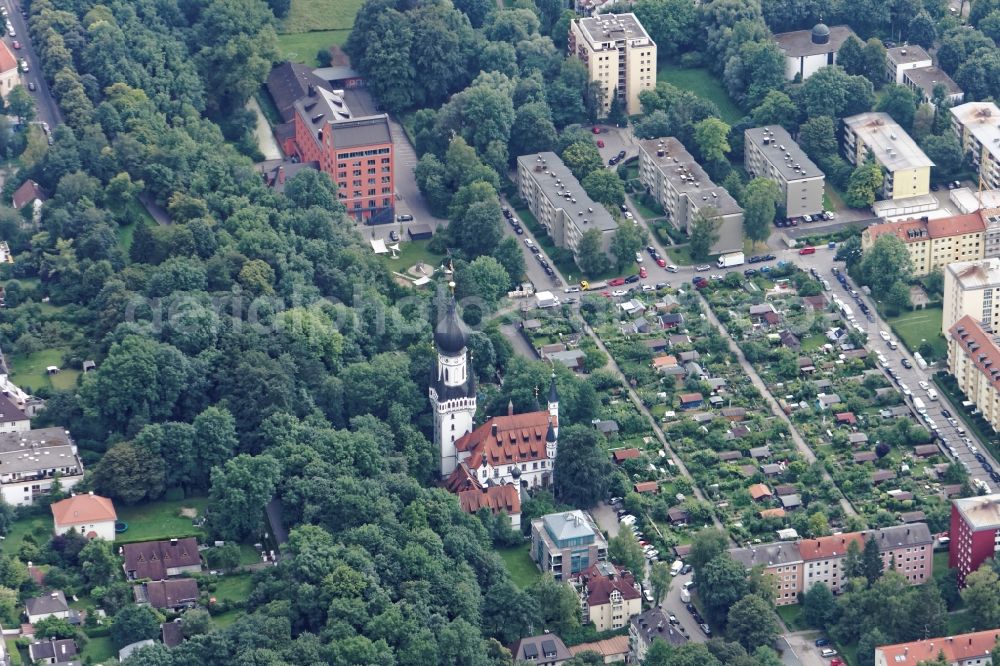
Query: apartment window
357,172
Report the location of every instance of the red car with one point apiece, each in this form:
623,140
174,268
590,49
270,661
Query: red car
662,263
808,250
600,143
642,271
617,282
595,129
17,44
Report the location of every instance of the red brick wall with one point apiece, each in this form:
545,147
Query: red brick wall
962,537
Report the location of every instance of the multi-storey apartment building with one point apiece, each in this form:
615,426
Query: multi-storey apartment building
969,288
906,170
356,152
679,184
974,360
977,125
934,243
900,59
972,649
559,202
911,66
782,561
975,533
618,53
32,460
769,152
567,543
795,566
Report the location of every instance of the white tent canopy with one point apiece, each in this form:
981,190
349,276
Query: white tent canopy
378,246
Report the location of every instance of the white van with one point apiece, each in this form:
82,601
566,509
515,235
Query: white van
676,567
932,394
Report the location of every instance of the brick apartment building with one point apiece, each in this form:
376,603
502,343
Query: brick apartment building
975,533
795,566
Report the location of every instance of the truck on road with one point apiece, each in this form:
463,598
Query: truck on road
732,259
593,286
919,405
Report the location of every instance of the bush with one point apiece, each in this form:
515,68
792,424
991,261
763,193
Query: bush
693,59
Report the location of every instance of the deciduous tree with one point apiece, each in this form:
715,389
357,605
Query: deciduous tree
240,490
605,187
752,622
760,199
625,551
582,471
629,238
704,233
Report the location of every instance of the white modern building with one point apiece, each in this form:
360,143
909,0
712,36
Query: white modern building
770,152
31,461
977,125
808,51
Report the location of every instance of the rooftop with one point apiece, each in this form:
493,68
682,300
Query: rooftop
605,29
502,440
7,59
982,119
547,648
800,43
769,554
609,647
53,602
887,539
907,55
981,274
561,188
956,649
928,78
912,231
981,349
35,450
568,525
327,110
783,153
83,509
892,147
654,624
981,512
687,177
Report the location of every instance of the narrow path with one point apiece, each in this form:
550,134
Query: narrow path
262,133
761,387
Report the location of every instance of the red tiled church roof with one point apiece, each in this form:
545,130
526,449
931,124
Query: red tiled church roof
519,438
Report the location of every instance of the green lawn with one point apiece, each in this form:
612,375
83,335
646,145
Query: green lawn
248,554
792,617
223,620
28,370
159,520
138,213
520,565
813,342
308,15
99,650
302,47
39,526
919,325
700,81
411,252
233,588
267,106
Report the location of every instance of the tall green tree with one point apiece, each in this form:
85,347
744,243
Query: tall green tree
582,159
900,103
819,606
865,185
760,199
871,560
885,263
582,472
659,579
712,138
605,187
706,544
624,550
240,490
752,622
558,604
721,583
629,238
982,596
704,233
590,254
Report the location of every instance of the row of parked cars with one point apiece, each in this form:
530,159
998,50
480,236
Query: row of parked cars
628,520
513,221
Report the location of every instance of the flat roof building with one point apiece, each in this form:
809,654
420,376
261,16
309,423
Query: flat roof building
974,361
808,51
567,543
770,152
925,80
30,461
969,287
679,184
977,125
905,167
902,58
975,532
559,202
618,53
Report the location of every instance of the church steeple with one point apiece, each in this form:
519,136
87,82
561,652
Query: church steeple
553,405
453,389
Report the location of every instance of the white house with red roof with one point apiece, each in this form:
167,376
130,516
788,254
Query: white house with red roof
91,515
516,450
10,74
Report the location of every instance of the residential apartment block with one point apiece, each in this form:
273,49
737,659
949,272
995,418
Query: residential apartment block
969,287
974,360
962,650
649,626
975,533
567,543
795,566
678,183
559,203
977,125
771,153
906,169
808,51
934,243
31,461
911,66
608,597
618,53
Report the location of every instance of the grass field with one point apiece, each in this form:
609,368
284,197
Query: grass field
914,327
233,588
99,650
28,370
138,213
792,617
520,566
302,47
223,620
410,252
310,15
159,520
703,83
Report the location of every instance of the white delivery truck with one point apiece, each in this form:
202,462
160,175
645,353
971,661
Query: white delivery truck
732,259
919,405
546,299
676,567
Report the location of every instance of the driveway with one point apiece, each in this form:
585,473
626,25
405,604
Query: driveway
673,604
802,644
606,519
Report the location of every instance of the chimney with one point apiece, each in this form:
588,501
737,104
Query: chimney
312,90
281,175
493,430
173,542
91,493
510,407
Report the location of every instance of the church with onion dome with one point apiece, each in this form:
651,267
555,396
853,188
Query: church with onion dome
486,466
808,51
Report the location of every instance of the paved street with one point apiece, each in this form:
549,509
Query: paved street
823,261
46,109
802,643
673,604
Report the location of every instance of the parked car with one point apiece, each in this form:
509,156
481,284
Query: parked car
31,86
595,129
702,268
600,143
686,569
406,217
661,262
616,282
16,44
394,236
642,272
822,642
